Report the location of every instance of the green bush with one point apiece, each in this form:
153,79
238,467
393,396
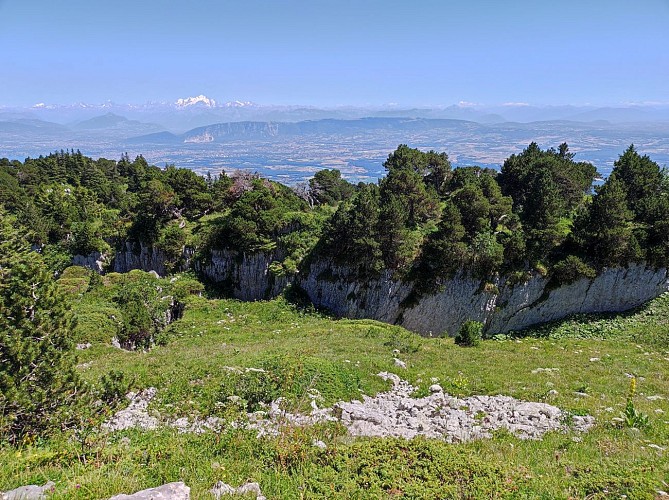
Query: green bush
470,334
571,269
37,364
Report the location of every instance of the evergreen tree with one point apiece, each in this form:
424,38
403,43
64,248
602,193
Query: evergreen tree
37,375
444,253
604,231
642,181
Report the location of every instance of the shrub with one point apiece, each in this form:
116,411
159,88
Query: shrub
470,334
37,362
571,269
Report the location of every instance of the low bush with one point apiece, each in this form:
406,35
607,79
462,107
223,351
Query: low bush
571,269
470,334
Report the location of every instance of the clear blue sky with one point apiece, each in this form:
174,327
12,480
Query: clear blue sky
322,52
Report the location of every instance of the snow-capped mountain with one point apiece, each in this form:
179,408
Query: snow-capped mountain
238,104
200,100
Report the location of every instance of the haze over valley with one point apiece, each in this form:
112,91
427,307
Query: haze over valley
291,143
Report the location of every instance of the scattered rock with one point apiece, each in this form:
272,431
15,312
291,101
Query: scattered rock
656,447
399,363
319,444
395,413
592,360
82,347
135,415
656,397
222,489
30,492
169,491
116,343
545,370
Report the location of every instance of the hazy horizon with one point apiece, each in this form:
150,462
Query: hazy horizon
336,53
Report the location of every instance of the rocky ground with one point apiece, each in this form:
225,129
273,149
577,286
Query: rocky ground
394,413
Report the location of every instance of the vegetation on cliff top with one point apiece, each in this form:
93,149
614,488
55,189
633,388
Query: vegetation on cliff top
424,220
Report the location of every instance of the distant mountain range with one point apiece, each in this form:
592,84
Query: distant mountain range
192,112
262,131
291,143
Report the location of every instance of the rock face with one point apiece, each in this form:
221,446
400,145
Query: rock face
247,275
170,491
139,256
502,307
95,261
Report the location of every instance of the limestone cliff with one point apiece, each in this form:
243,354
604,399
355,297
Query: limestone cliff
503,308
247,275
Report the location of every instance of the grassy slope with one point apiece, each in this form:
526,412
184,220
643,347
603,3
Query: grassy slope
215,333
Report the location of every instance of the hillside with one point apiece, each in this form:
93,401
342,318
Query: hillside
583,368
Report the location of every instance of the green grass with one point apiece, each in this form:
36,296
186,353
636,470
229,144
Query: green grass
340,358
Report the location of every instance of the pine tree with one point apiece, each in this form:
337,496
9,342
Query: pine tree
37,375
605,231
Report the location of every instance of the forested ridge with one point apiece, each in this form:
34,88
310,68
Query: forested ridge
424,220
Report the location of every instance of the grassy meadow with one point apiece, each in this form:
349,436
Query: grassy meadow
590,362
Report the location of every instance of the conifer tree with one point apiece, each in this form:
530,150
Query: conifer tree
37,376
605,231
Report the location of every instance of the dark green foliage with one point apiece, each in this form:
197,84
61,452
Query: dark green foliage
351,236
642,181
113,387
444,253
264,212
37,375
487,254
171,241
605,230
470,334
147,305
545,186
328,187
193,197
571,269
571,179
405,186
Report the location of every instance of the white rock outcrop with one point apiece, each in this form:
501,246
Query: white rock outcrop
501,305
169,491
394,413
222,489
397,414
248,274
29,492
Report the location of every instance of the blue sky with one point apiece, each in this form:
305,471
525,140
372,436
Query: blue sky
329,53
